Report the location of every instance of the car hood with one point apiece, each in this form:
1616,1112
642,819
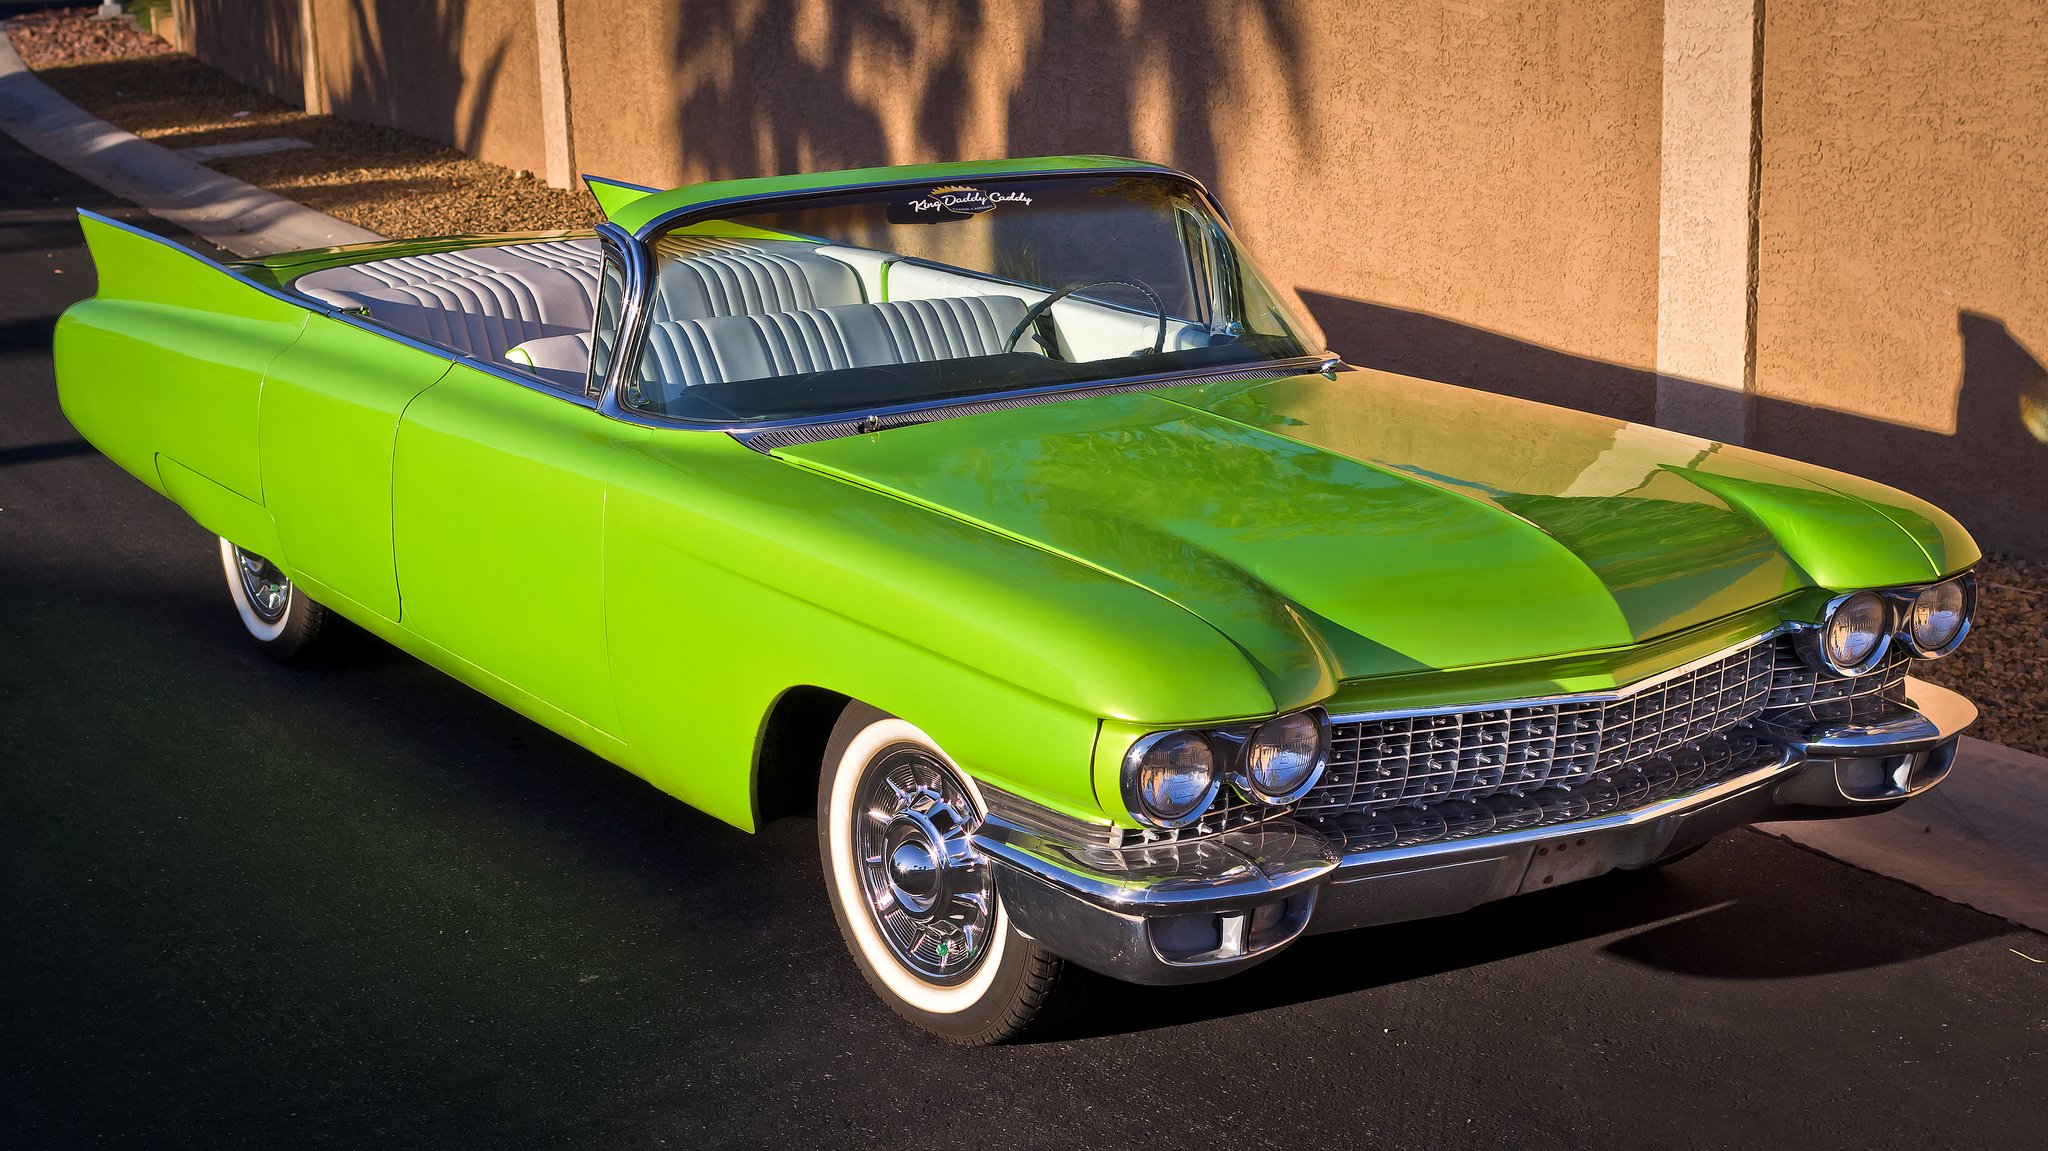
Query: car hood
1367,523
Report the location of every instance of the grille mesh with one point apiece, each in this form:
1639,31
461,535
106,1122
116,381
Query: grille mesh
1413,779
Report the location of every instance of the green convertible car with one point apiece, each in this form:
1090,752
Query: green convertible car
1004,517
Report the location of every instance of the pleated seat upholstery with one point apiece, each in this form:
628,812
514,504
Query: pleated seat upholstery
686,353
703,277
488,313
340,285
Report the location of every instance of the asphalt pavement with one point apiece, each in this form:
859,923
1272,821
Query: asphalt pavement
362,906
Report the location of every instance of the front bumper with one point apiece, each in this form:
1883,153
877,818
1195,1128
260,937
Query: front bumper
1207,908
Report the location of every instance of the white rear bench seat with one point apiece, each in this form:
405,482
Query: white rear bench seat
532,305
685,353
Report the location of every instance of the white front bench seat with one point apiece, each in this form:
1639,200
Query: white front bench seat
687,353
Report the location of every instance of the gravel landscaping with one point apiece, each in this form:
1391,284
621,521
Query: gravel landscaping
2003,665
378,178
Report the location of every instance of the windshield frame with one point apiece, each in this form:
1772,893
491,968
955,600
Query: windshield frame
641,283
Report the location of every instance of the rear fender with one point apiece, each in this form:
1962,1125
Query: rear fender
167,357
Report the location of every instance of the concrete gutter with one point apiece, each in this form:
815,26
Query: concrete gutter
242,218
1980,839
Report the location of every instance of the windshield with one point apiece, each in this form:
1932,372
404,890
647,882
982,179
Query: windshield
896,296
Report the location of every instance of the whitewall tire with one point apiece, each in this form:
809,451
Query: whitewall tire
916,905
283,621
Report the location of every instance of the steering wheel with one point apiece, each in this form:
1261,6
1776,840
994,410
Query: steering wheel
1038,310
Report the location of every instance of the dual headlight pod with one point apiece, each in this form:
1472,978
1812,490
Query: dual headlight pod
1171,778
1856,629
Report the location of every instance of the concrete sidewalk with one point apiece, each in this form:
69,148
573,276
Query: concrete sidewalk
240,217
1980,839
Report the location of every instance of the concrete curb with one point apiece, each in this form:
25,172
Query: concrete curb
242,218
1980,839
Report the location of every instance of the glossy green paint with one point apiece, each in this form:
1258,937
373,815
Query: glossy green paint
168,358
1035,587
731,577
498,495
1371,525
613,195
331,404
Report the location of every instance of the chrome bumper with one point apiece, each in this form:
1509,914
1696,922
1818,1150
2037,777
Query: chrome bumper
1184,913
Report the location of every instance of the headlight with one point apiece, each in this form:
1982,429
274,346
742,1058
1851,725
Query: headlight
1938,618
1855,633
1170,778
1284,756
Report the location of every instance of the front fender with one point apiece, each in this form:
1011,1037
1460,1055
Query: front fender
730,576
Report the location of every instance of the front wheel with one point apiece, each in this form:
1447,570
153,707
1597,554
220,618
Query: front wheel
279,617
916,904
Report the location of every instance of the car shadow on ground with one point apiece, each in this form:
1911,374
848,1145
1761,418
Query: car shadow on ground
1742,909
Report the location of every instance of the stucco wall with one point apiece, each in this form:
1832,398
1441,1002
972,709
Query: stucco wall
1460,191
254,41
1903,266
464,72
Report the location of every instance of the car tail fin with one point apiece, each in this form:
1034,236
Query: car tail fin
137,265
615,194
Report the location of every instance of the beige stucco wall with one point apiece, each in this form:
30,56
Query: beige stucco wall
1416,171
1903,266
254,41
464,72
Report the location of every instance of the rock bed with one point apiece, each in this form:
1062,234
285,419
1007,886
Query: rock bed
375,177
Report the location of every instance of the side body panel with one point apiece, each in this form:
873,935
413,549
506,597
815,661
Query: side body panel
498,498
328,425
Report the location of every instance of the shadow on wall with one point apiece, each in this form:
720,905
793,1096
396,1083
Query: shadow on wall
1991,472
406,64
1075,90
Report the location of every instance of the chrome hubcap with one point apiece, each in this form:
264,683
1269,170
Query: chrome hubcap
929,892
268,591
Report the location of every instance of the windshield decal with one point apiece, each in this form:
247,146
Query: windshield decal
961,200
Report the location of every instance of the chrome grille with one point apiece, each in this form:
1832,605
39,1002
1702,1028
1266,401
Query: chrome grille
1399,780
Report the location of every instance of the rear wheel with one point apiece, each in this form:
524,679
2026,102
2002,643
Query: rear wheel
916,904
279,617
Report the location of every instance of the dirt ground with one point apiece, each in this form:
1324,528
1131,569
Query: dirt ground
378,178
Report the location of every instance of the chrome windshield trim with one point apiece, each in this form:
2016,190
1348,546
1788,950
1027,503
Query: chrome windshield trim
691,213
1607,695
634,294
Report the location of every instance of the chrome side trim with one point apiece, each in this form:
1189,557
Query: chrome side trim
1609,695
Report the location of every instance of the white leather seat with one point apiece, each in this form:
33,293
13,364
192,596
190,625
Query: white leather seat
488,313
686,353
702,277
339,286
563,361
